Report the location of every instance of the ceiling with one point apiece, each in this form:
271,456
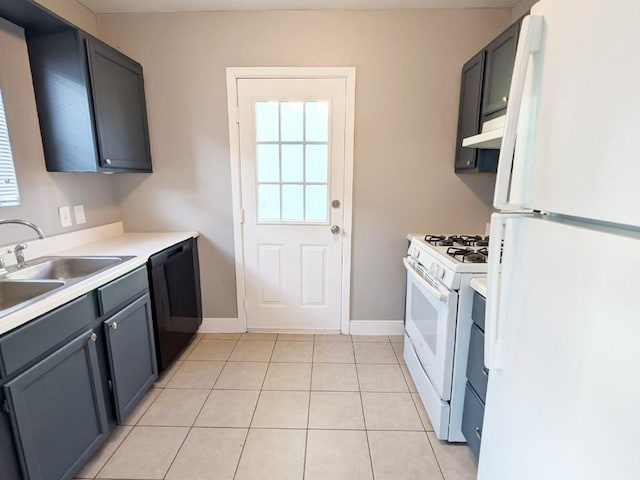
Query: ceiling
112,6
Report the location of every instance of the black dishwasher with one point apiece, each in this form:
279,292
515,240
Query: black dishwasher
174,278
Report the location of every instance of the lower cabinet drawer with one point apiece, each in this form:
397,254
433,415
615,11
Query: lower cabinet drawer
122,290
472,417
478,310
477,374
34,339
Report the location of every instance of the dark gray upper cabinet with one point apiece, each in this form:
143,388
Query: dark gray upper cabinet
484,92
119,106
132,355
501,55
91,104
57,411
469,113
472,159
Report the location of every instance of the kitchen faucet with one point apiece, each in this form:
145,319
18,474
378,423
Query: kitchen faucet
20,248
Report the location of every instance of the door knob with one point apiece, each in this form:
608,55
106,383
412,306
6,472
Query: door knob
335,229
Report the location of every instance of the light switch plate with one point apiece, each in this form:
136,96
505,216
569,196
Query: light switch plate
65,216
78,211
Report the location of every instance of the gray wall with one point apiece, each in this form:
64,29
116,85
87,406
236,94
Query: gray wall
408,72
41,192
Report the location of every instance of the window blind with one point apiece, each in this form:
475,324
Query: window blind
9,194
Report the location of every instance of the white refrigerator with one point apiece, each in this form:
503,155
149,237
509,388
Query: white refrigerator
562,338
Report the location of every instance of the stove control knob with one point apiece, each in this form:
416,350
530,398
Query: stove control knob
440,273
433,268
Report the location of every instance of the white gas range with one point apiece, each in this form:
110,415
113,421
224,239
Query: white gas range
438,322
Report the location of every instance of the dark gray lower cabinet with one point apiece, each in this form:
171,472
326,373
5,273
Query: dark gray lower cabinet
477,378
57,411
68,376
132,354
472,419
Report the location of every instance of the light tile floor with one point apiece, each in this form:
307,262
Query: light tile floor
282,406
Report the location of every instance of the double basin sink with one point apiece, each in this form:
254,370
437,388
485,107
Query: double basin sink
20,287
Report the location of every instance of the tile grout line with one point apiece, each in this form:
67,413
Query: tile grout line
136,424
112,453
364,419
306,433
435,456
255,408
184,440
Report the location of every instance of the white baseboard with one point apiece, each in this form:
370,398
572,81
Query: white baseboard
357,327
219,325
376,327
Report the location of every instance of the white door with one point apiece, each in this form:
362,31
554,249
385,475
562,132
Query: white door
562,403
292,151
577,133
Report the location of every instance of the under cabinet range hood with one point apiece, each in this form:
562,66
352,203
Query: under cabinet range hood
491,136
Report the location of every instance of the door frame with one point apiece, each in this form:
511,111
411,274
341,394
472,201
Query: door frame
348,74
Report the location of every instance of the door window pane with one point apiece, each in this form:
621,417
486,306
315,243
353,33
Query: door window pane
292,126
317,121
292,161
267,123
316,203
269,202
292,202
316,163
268,159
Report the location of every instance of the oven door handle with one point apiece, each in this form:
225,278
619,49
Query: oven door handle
436,292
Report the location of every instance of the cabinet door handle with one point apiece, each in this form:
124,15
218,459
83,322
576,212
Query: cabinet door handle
478,433
485,371
177,251
107,161
93,337
114,326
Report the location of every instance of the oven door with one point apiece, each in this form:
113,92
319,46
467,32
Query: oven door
431,326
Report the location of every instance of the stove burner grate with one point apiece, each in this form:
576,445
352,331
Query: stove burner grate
468,255
455,240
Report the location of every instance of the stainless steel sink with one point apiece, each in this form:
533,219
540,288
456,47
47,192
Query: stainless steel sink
63,268
15,293
20,287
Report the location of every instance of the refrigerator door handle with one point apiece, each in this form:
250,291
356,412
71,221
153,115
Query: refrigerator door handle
528,44
493,323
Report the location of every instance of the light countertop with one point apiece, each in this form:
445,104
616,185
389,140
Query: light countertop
479,284
141,245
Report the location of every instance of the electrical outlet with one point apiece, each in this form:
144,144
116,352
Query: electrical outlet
65,216
78,211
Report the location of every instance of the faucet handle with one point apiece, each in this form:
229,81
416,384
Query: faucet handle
19,252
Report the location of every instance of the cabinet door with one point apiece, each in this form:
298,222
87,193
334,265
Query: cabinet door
132,354
57,411
469,114
119,107
501,55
